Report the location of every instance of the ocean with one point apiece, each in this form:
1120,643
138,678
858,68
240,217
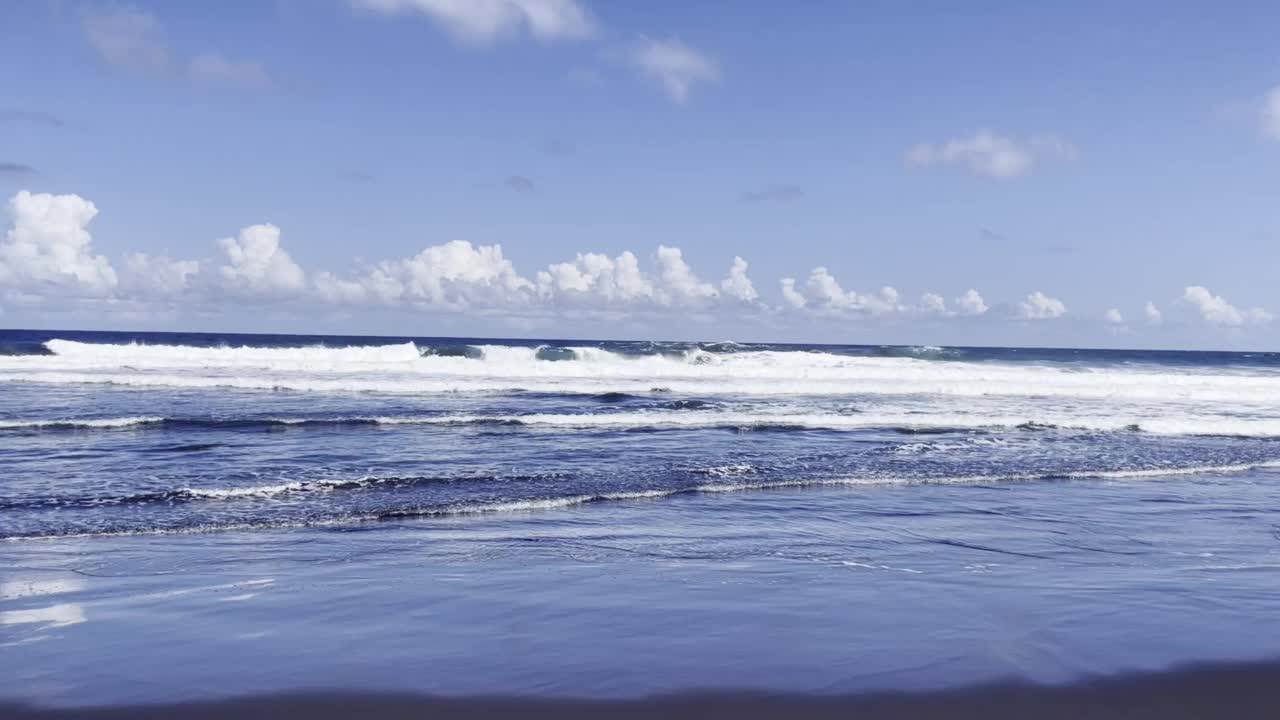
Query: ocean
201,516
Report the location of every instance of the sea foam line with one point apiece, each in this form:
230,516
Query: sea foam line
660,419
80,423
554,503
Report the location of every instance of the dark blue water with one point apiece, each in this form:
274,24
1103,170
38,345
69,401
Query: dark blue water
195,514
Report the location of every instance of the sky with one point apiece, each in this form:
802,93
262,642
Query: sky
1068,174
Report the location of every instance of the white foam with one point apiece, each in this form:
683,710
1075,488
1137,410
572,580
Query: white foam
1193,425
542,504
402,369
95,423
1204,425
253,491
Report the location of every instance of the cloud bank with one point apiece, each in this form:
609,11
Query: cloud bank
48,262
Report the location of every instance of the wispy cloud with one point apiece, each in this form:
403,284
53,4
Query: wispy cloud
135,40
215,69
987,153
127,37
13,116
520,184
773,194
14,168
485,21
675,65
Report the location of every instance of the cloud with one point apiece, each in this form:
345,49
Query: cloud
1215,310
47,256
737,285
146,276
676,66
454,275
1152,314
1269,114
971,303
484,21
1039,306
934,304
520,184
127,37
596,276
987,153
772,194
36,118
13,168
679,284
257,265
49,244
215,69
823,292
133,39
791,296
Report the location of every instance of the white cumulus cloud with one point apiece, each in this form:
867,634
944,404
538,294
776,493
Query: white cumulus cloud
675,65
147,276
47,255
456,274
1039,306
791,296
1153,314
933,304
679,284
50,243
1215,310
822,292
987,153
597,277
488,20
255,262
971,303
737,285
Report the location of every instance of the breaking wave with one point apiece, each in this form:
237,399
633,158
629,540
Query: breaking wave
676,417
408,369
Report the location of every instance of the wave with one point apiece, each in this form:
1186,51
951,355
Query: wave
260,492
568,501
79,424
675,417
408,369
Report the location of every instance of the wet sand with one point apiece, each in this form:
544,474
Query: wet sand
1220,691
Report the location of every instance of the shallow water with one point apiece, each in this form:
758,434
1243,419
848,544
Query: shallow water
203,516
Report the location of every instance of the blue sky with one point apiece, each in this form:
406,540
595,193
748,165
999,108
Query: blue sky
1104,157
